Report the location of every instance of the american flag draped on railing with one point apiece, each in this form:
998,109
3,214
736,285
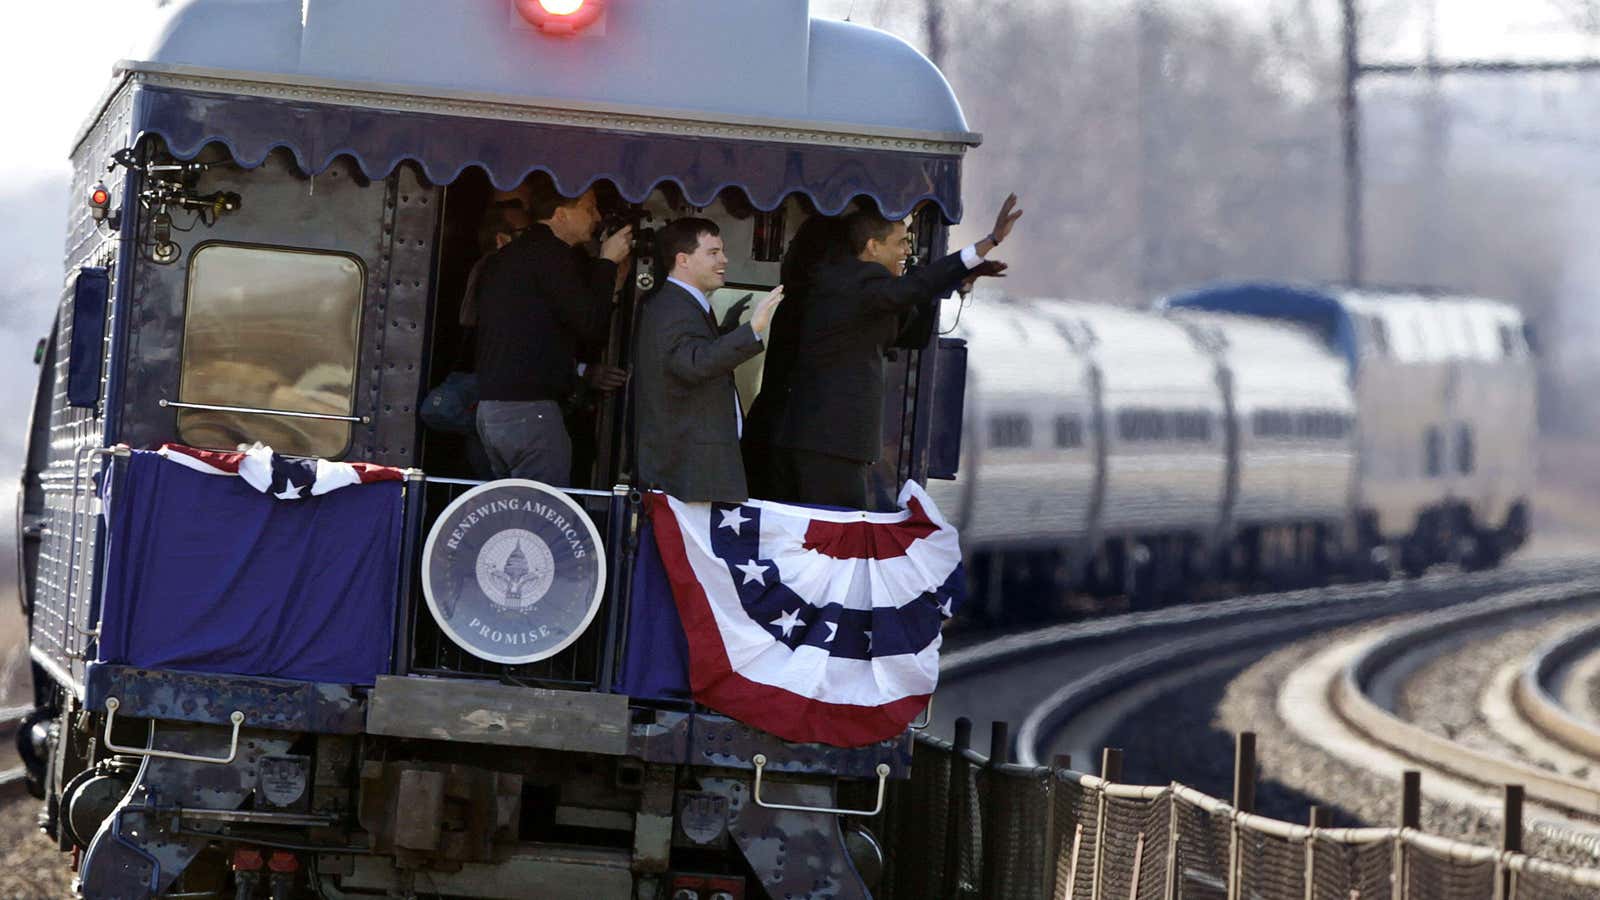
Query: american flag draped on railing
208,570
814,625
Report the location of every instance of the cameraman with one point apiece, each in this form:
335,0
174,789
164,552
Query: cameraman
539,297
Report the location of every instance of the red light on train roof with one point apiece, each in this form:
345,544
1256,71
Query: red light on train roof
563,17
99,203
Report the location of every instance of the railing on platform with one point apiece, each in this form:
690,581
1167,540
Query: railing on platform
968,826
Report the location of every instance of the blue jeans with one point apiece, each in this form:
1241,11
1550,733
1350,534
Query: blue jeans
526,440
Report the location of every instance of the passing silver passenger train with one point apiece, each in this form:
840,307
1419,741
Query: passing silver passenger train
1248,432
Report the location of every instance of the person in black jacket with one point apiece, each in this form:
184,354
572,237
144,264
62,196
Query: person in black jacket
831,430
540,296
820,239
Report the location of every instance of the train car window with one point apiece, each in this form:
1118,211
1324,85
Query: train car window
1433,452
1466,451
1272,423
1069,431
270,329
1323,424
1143,425
1191,425
1010,431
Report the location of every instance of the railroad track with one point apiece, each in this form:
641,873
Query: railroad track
13,781
1335,700
1062,676
1058,678
1551,691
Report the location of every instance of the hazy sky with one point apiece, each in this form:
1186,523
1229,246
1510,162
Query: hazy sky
56,56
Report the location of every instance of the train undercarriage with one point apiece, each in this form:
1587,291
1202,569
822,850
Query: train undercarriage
166,783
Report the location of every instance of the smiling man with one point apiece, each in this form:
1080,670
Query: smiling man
686,403
832,427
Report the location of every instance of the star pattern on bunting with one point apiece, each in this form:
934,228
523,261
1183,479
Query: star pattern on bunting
290,492
754,572
734,519
788,622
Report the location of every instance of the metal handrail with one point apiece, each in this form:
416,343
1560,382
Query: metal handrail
760,762
236,717
474,482
259,411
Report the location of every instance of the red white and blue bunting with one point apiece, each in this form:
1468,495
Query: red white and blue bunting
814,625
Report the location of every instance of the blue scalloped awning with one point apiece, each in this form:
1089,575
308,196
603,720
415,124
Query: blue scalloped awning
444,146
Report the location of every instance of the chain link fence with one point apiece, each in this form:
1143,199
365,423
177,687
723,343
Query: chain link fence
966,827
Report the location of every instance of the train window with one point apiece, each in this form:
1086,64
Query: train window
270,329
1433,452
1323,424
1272,423
1466,452
1192,425
1069,431
1010,431
1143,425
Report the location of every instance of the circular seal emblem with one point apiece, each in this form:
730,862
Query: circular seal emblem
513,571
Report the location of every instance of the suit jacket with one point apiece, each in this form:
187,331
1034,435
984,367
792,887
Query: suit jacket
537,300
853,314
688,428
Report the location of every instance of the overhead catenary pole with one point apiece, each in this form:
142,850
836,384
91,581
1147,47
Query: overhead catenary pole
933,20
1432,67
1350,112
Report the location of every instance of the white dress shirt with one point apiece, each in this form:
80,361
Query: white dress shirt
705,304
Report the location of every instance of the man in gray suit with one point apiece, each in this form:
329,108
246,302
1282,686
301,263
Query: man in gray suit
685,401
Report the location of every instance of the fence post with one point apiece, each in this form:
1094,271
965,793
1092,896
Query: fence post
993,842
1244,800
1510,842
1410,817
1244,772
960,774
1111,771
1171,890
1052,824
1319,818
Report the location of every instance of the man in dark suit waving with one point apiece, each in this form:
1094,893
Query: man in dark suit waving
832,426
686,404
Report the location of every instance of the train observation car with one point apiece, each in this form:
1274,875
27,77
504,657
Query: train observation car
1445,392
277,208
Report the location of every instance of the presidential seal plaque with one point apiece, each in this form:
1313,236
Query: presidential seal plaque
513,571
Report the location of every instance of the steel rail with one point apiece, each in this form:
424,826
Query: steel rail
1352,702
1232,624
13,782
1535,700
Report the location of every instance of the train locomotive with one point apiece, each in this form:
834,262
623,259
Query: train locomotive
1262,433
273,224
